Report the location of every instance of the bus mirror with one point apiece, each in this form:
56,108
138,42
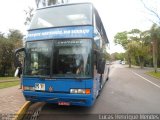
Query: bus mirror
95,57
17,62
101,66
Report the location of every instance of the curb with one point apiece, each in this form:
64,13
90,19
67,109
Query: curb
21,112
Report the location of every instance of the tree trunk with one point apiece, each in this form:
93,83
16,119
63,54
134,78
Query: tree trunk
129,60
4,71
155,55
141,60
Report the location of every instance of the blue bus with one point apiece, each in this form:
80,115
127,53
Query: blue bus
65,54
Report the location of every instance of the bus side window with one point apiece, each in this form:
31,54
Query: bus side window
19,60
101,63
95,59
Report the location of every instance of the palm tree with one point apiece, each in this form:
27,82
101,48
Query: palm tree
155,36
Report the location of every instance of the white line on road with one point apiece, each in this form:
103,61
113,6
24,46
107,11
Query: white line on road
146,80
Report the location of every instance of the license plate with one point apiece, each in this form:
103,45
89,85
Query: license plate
40,86
64,103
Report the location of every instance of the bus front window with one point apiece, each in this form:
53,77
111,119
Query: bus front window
77,14
38,58
58,58
72,58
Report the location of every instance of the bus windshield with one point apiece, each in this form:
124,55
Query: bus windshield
76,14
64,58
38,55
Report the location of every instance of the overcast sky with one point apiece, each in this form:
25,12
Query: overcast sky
117,16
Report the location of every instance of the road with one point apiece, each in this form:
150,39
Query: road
128,91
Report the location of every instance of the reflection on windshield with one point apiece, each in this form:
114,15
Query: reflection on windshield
77,14
65,58
38,58
72,58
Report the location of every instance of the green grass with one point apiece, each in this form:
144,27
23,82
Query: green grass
6,84
9,78
152,73
9,84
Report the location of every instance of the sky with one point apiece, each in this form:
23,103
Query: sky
117,16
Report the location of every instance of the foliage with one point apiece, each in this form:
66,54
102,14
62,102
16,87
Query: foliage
152,8
45,3
118,56
122,39
29,15
40,3
143,46
8,44
155,37
107,56
137,45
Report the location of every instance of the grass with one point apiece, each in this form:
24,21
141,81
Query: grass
9,84
13,82
9,78
152,73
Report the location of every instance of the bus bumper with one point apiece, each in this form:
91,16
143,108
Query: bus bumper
72,99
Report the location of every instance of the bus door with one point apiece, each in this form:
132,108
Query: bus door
99,68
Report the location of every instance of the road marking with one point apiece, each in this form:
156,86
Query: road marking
146,79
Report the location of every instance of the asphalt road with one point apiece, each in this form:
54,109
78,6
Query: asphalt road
128,91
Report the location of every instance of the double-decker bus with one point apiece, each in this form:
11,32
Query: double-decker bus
64,59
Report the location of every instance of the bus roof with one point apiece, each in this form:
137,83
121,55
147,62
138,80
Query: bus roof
65,4
102,29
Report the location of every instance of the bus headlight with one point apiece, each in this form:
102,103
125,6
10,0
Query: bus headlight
73,91
80,91
29,88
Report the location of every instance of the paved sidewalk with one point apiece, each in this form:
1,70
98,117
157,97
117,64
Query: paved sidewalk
11,100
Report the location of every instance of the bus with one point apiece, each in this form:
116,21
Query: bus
65,55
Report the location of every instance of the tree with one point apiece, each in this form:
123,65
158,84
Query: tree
151,8
6,55
141,45
29,15
2,39
131,51
107,56
156,20
155,37
16,37
135,45
117,56
8,45
122,39
45,3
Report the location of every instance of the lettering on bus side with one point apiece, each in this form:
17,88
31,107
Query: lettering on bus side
80,31
60,33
